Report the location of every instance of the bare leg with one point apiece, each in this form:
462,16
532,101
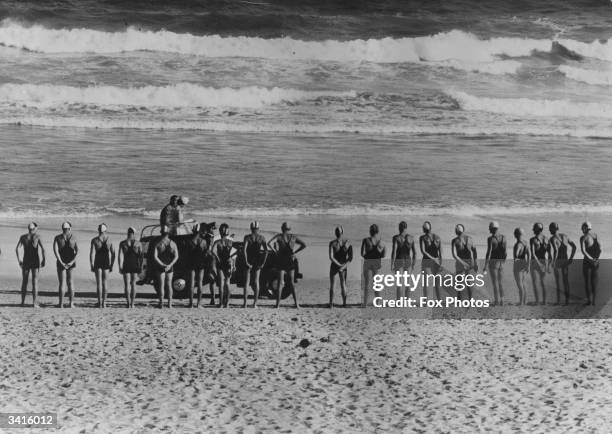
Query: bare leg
332,281
594,281
126,277
104,276
256,286
160,278
132,289
291,281
542,274
97,273
199,275
169,288
247,278
25,274
61,277
191,283
534,284
557,284
342,276
35,286
500,286
566,287
212,291
279,286
494,282
70,283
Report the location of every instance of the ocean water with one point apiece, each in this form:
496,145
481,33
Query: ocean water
456,108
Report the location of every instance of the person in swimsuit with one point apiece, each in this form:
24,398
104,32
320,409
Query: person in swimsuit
255,251
494,261
403,254
560,260
431,249
165,255
340,254
66,250
372,251
222,251
198,250
207,232
181,228
522,257
591,249
540,256
462,249
283,245
101,259
31,262
130,264
170,215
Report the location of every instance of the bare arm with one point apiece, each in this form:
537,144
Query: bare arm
302,245
120,259
19,244
331,254
244,252
92,255
56,252
488,254
394,250
584,249
43,254
156,258
573,246
423,251
112,257
175,255
272,243
76,252
363,248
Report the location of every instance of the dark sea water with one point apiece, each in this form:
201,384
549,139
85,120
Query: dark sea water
270,108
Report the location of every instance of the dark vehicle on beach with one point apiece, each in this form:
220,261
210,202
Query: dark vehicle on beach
267,279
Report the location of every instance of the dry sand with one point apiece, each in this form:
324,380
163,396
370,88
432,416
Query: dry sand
213,370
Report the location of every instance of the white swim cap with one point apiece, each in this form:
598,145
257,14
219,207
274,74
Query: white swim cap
494,225
102,227
66,225
32,225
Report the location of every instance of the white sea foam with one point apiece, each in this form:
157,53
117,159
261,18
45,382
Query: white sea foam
393,210
310,129
177,95
589,76
455,44
533,107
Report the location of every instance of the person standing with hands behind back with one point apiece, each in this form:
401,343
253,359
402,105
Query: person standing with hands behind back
372,251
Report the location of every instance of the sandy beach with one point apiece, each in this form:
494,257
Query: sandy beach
212,370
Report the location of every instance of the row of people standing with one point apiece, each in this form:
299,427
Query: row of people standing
206,257
539,257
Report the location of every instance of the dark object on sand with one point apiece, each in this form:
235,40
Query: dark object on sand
304,343
268,277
